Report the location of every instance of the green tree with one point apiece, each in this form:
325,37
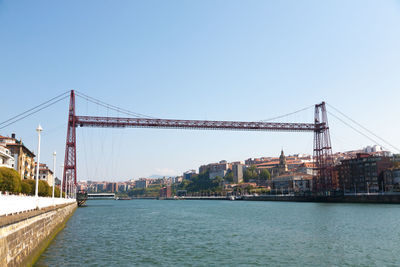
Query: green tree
264,175
184,184
250,174
201,183
10,180
217,182
248,189
229,177
151,191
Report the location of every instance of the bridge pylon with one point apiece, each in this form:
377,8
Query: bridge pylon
323,160
70,147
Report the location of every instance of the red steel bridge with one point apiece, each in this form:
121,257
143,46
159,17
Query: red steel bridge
323,181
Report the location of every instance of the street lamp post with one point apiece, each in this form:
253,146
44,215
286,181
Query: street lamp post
39,130
61,187
54,172
66,185
70,187
71,193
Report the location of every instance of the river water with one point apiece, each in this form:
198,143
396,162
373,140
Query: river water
227,233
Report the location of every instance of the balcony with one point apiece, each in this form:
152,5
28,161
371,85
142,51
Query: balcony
4,152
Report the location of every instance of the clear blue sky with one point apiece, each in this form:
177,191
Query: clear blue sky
219,60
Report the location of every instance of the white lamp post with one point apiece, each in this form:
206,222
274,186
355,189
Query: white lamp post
61,188
70,188
39,130
54,172
66,185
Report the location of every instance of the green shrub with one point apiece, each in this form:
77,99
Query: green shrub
44,189
31,184
10,180
27,187
56,192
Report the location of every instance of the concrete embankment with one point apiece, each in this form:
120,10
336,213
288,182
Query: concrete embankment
377,199
24,236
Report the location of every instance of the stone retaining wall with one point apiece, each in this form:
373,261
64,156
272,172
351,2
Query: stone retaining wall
23,238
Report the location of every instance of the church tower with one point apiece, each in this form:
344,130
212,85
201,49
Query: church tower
282,167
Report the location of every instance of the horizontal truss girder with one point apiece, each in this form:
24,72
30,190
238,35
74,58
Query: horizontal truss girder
116,122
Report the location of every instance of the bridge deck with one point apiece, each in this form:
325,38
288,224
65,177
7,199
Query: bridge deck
91,121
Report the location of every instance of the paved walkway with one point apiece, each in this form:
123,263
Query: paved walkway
10,204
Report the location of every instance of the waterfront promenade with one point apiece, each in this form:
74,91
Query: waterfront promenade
11,204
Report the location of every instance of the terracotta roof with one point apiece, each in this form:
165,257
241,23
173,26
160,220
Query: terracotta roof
6,137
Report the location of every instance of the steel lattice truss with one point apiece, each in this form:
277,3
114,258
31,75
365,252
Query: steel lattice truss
89,121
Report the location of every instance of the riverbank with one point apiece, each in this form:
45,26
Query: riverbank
369,199
24,236
365,198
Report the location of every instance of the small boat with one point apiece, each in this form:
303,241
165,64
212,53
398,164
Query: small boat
81,198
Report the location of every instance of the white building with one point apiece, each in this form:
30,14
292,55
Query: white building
6,159
371,149
45,174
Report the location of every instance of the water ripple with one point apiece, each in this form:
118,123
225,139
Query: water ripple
222,233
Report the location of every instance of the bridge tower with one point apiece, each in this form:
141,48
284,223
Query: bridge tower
70,148
323,182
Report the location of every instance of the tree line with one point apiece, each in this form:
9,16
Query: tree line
252,174
202,183
11,182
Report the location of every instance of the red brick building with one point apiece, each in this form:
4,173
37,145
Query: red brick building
362,174
166,191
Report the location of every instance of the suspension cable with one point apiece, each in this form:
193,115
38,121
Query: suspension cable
115,108
288,114
31,113
44,103
361,126
355,129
